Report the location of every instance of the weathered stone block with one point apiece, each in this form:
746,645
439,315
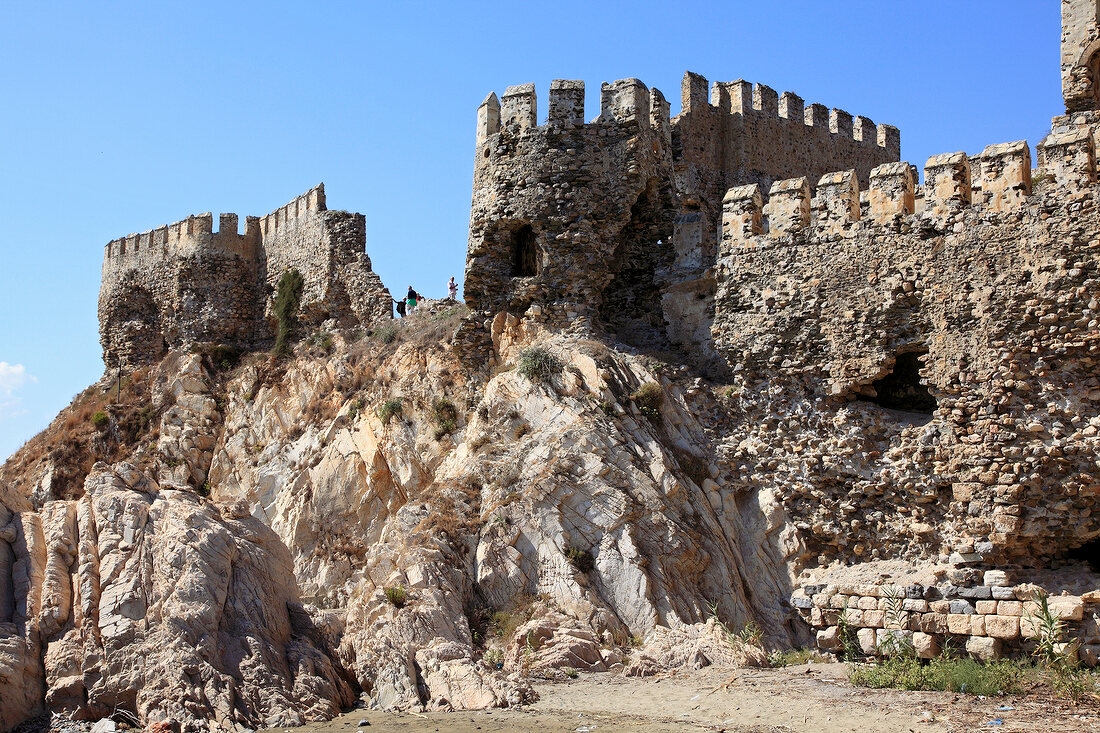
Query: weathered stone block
946,183
742,216
927,646
933,623
1006,175
566,102
983,648
891,192
518,107
868,641
1002,627
829,639
958,623
837,203
788,206
1067,608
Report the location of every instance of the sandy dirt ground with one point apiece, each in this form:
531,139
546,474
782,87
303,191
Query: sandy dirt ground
812,697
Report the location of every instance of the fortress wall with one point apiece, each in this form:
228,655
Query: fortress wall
293,239
990,291
580,185
769,136
154,281
186,283
329,249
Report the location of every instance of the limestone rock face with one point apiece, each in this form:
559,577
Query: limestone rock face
494,518
147,599
452,534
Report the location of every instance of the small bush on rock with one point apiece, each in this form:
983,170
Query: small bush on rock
538,364
397,595
386,334
390,408
649,398
445,415
580,559
288,298
100,420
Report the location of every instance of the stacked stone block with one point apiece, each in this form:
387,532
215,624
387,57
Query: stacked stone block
988,620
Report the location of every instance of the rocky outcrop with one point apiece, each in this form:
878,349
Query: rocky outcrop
147,599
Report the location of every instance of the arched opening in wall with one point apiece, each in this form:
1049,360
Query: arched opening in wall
1087,553
524,253
631,303
901,388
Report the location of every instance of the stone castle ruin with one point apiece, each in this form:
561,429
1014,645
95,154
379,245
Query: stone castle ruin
184,283
614,221
915,368
909,372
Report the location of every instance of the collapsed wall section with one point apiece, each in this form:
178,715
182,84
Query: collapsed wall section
328,248
988,288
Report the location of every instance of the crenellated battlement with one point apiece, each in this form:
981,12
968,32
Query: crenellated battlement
637,180
999,182
309,203
621,102
173,240
760,101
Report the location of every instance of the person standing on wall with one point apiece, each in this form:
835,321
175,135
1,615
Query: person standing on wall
410,301
452,289
400,307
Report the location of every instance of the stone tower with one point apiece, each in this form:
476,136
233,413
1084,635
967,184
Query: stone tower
613,223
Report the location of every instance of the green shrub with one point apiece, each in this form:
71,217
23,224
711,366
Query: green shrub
355,408
288,298
649,398
791,657
387,334
538,364
580,559
907,672
390,408
396,595
751,634
445,416
225,357
100,419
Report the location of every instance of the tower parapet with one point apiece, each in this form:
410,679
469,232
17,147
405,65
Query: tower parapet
831,209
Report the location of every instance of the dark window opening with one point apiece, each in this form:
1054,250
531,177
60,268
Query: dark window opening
901,388
1087,553
630,305
524,258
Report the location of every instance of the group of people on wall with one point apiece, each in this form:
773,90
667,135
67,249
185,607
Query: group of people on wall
407,306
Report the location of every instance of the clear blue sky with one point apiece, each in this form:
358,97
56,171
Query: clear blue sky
119,117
